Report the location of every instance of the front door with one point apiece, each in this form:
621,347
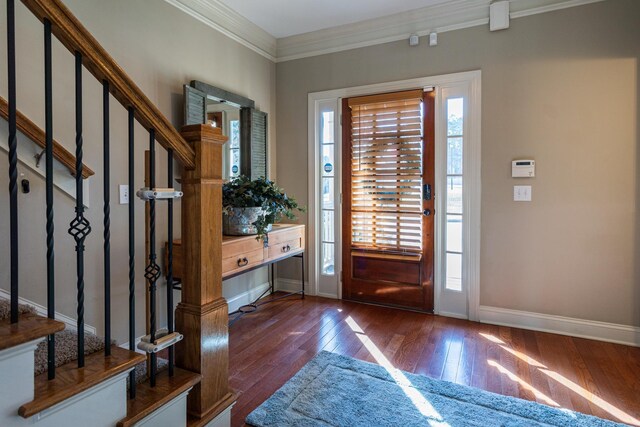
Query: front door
388,208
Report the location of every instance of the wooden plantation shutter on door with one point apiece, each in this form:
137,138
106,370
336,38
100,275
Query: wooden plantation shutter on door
386,172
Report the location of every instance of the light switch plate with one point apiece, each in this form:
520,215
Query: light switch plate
522,193
124,194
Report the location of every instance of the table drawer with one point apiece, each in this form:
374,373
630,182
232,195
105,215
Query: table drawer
278,236
242,261
280,249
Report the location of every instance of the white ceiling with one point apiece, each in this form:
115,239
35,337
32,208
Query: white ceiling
283,18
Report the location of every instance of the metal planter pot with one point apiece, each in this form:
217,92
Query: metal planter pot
240,222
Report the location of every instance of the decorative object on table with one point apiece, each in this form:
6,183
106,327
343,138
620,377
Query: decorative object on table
251,207
335,390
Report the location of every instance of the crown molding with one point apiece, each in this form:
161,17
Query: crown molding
440,18
220,17
453,15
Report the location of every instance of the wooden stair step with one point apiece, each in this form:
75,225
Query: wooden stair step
71,380
29,327
149,399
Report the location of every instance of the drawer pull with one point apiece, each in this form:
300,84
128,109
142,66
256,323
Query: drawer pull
242,261
286,248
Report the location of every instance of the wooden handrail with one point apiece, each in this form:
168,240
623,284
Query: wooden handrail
76,38
37,135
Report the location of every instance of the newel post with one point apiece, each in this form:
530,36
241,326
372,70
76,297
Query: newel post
202,315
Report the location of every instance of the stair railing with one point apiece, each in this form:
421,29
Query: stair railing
59,22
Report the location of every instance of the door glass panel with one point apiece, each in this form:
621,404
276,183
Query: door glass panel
327,128
454,156
328,226
454,194
455,112
454,272
328,259
327,193
454,190
454,233
328,166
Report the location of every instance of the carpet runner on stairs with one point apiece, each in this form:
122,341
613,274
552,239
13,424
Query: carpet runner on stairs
66,345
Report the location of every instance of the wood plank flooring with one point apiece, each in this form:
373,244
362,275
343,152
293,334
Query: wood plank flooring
269,346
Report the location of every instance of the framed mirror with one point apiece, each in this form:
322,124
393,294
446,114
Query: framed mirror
246,150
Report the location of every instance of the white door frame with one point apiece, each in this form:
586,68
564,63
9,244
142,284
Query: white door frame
470,80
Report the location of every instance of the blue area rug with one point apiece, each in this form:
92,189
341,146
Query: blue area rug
334,390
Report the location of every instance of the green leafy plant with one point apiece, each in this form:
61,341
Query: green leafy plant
242,192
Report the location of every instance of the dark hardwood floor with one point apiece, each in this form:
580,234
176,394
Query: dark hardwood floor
269,346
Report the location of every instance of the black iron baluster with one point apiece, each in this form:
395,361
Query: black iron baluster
106,210
79,227
170,260
48,103
13,155
152,272
132,256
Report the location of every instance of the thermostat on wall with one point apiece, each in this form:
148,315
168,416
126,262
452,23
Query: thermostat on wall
523,169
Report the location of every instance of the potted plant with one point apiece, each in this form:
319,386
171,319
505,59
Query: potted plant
251,207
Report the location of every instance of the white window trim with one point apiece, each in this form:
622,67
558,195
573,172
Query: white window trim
471,195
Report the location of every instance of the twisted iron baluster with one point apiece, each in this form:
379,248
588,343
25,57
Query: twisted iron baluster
79,227
132,256
13,155
48,96
152,272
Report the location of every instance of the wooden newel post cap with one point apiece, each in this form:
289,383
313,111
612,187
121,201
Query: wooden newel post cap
205,133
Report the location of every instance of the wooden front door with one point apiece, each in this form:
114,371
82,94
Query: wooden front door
388,208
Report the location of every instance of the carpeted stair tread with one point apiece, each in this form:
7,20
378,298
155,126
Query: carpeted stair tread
141,369
66,349
5,309
149,399
70,380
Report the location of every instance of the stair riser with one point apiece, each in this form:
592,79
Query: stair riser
16,375
173,414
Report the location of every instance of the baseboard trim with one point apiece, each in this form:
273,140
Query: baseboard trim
247,297
42,311
453,315
291,285
581,328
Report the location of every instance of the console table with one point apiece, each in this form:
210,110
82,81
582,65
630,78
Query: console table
241,254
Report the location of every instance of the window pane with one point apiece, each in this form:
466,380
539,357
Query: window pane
454,156
454,194
327,226
234,133
454,233
454,272
234,162
327,128
328,259
327,193
327,160
455,113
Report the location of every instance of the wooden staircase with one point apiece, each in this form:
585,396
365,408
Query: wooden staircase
195,392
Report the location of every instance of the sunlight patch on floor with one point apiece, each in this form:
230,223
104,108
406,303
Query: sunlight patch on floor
418,400
513,377
596,400
591,397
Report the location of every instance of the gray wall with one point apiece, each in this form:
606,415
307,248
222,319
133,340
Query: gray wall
560,87
161,48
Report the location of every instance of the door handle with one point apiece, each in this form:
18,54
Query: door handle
243,261
427,212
